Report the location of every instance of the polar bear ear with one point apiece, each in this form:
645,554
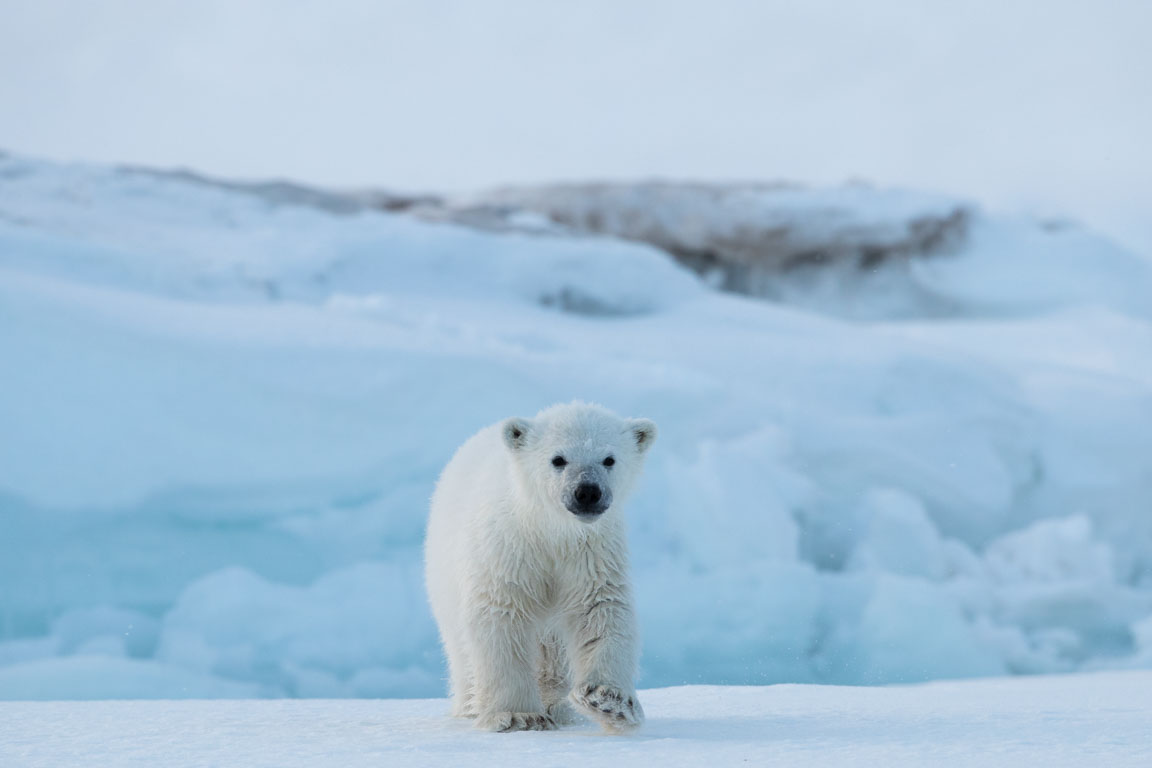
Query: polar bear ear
515,433
643,432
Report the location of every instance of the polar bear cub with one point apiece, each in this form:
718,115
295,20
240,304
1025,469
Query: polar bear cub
527,569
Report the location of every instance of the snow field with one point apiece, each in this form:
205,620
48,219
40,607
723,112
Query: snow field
1095,719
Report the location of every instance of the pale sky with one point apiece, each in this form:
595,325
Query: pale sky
1035,106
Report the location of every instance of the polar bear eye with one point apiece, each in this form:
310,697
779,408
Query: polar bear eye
558,461
609,461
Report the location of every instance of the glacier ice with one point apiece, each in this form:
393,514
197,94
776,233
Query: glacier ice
222,414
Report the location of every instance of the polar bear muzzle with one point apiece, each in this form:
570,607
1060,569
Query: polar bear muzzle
588,500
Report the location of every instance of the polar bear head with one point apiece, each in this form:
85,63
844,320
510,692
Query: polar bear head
578,459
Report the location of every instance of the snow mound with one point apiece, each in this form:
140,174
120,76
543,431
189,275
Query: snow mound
217,242
222,412
321,641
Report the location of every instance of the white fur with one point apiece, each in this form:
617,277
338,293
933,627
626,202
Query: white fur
533,602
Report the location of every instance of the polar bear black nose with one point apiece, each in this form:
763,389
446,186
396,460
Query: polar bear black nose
587,494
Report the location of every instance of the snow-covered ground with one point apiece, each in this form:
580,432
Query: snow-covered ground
1085,720
222,414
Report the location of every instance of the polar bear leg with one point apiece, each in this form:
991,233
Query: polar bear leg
505,660
555,681
604,657
463,684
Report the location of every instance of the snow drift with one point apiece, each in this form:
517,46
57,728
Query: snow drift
223,408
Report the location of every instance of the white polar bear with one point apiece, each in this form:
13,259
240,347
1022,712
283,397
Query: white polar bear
527,569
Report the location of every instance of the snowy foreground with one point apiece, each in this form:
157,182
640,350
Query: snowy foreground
222,413
1101,719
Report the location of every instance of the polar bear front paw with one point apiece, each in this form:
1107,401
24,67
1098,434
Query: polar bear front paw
613,708
505,722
